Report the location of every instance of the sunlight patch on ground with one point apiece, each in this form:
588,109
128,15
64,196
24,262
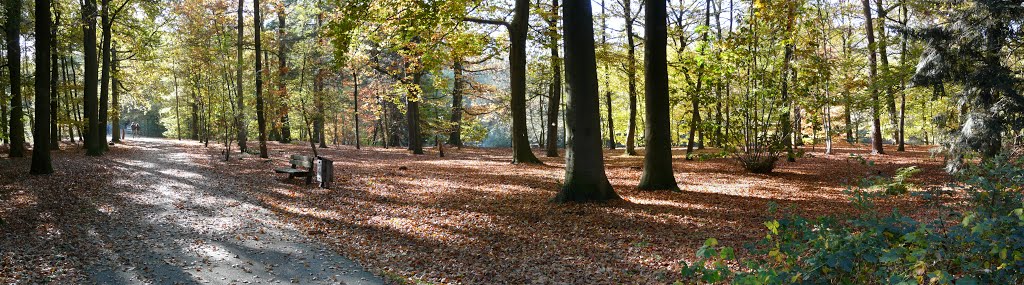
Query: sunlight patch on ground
177,173
137,163
424,231
309,211
463,162
287,192
646,201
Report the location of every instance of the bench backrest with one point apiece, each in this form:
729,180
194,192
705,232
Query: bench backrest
300,161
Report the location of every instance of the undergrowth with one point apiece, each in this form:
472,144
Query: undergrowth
980,241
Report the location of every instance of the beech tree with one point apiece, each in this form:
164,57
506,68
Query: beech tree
261,119
630,19
876,126
555,93
518,28
12,33
239,93
95,142
658,174
585,179
41,136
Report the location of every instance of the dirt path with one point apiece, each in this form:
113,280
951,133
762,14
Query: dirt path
176,222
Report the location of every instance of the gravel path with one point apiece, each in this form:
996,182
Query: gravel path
177,223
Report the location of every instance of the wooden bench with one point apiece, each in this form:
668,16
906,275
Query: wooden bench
298,161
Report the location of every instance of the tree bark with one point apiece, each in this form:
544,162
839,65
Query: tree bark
903,82
355,106
240,102
695,120
885,71
261,118
585,179
115,104
94,142
847,101
658,173
12,31
455,136
608,92
556,84
520,26
41,137
318,103
413,114
194,123
68,113
54,76
876,126
105,73
787,131
631,77
282,72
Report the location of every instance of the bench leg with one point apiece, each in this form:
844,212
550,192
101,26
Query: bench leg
309,179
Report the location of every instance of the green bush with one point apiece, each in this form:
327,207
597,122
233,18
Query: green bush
981,244
897,184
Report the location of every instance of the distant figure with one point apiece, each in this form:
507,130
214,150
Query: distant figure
135,129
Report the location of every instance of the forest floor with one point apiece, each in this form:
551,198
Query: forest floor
153,212
470,217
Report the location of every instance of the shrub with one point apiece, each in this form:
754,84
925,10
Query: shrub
983,244
898,184
760,164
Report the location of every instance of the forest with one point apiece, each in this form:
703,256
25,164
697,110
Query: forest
512,142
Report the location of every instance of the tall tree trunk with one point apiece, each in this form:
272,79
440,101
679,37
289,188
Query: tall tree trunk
695,121
608,92
106,25
115,104
798,126
12,31
177,106
631,77
3,116
455,136
787,130
194,123
394,137
876,126
78,109
520,26
413,114
282,72
54,76
826,108
847,101
611,120
355,106
556,84
41,136
885,73
261,118
585,179
67,99
240,102
718,140
658,174
318,135
903,82
94,143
